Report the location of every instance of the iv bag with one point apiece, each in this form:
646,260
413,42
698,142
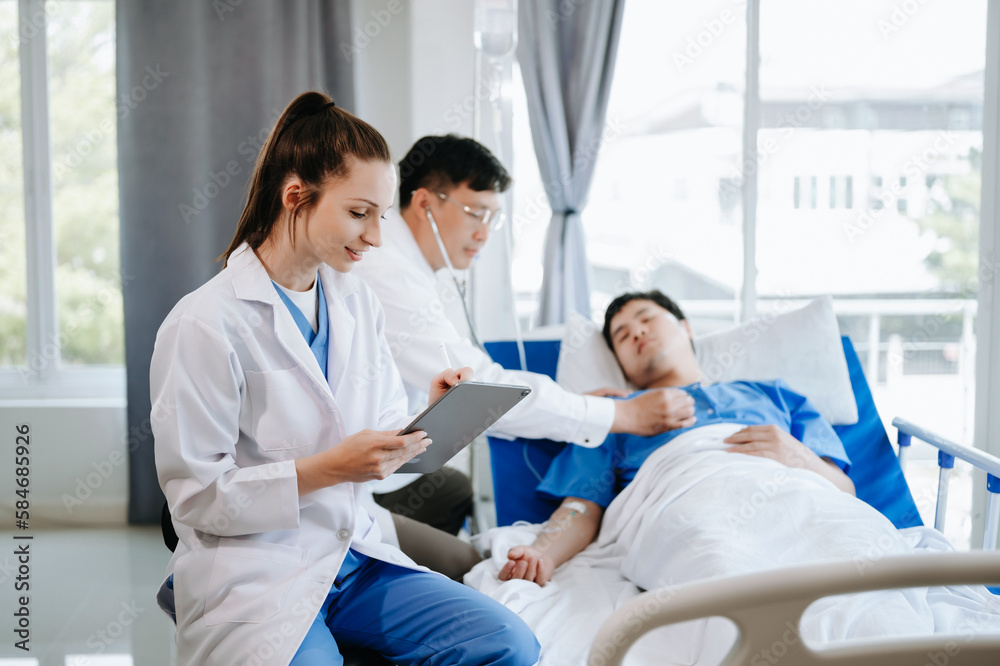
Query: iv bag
495,27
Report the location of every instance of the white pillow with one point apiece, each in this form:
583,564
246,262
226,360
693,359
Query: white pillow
802,347
585,362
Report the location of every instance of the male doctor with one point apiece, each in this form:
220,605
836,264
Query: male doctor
448,205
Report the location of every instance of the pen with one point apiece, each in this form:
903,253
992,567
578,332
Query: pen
444,356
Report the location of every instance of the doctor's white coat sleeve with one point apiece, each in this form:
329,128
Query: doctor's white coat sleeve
395,411
196,388
548,412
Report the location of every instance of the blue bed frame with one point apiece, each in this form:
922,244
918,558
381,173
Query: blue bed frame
518,464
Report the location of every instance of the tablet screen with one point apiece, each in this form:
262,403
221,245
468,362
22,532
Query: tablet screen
460,415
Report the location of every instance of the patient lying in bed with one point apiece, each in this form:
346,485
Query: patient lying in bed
652,340
683,506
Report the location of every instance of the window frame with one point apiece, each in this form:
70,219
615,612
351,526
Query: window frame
985,418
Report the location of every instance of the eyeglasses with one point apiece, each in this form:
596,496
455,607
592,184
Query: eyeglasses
492,219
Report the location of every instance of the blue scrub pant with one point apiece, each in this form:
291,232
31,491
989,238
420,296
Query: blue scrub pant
414,617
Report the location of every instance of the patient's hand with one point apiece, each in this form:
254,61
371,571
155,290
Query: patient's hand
654,411
770,441
527,563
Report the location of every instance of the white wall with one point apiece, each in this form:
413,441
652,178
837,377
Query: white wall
78,463
442,67
415,76
381,55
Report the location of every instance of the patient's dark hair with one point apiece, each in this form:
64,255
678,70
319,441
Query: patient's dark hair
443,162
654,295
314,140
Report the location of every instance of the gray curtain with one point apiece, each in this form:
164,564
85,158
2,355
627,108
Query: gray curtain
199,86
567,54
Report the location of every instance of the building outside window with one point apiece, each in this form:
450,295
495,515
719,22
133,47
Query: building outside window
901,263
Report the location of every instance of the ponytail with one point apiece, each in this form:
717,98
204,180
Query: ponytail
314,140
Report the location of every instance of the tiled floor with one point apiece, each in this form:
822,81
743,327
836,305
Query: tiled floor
92,598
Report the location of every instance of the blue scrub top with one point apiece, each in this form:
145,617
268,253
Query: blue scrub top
319,344
319,340
582,472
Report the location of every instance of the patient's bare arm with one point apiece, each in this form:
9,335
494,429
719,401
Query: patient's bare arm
568,531
770,441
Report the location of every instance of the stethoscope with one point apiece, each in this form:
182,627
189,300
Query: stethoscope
472,329
459,286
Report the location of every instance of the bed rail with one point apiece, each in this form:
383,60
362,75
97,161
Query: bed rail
947,452
767,606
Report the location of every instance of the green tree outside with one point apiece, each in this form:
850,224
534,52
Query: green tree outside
85,183
954,220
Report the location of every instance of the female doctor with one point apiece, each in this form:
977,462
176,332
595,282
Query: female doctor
264,381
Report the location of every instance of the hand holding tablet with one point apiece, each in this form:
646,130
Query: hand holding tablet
457,417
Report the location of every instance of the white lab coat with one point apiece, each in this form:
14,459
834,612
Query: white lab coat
417,305
237,396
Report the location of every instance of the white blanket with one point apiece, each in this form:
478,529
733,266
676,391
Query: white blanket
695,511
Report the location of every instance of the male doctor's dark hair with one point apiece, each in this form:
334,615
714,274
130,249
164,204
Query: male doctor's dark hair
444,162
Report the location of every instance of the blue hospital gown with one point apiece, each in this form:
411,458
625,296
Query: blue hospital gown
583,472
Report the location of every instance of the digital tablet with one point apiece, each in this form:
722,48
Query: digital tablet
460,415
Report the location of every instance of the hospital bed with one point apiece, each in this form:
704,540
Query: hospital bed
761,604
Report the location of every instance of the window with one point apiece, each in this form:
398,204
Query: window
531,212
680,189
846,96
675,115
903,281
60,297
841,195
729,199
